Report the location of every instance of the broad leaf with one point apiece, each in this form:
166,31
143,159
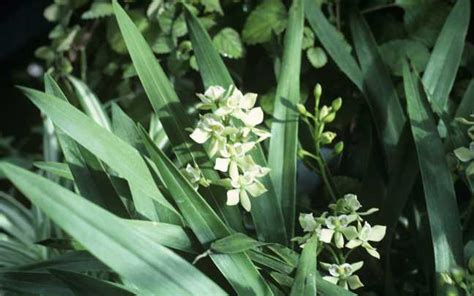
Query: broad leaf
266,19
305,279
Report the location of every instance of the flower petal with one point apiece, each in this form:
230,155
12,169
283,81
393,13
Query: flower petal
377,233
256,189
254,117
326,235
245,201
248,101
233,197
331,279
200,136
354,282
222,164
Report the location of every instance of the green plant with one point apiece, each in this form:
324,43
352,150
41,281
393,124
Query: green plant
208,189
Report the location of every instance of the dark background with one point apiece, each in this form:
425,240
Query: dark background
22,29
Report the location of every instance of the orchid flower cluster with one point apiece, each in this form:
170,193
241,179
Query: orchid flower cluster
339,233
229,131
459,281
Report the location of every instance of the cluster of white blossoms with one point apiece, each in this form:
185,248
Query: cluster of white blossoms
229,131
344,229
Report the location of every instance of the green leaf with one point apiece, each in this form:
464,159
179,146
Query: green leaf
379,90
206,225
27,283
466,107
305,279
90,103
57,168
443,65
168,235
211,67
98,10
317,57
212,6
270,227
87,171
282,153
82,284
334,43
228,43
266,19
125,160
437,183
235,243
395,52
169,109
111,240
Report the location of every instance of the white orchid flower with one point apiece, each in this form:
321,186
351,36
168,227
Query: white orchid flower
195,176
236,104
338,228
349,205
241,185
210,97
366,235
231,155
343,274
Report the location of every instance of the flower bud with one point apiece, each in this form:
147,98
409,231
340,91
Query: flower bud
470,264
318,91
336,104
338,148
457,274
302,109
323,112
330,117
327,137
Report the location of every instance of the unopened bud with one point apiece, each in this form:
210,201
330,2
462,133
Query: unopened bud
336,104
338,148
457,274
302,109
330,117
323,112
327,137
318,91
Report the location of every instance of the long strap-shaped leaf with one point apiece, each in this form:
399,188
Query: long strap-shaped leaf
206,225
117,154
437,183
440,72
378,88
82,284
171,113
305,279
270,226
152,268
90,103
87,171
284,140
333,42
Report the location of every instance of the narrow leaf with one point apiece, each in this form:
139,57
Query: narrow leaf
378,88
333,42
235,243
284,140
90,103
82,284
305,279
437,183
440,73
122,158
111,240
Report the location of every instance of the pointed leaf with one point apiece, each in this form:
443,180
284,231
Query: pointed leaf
437,183
282,153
